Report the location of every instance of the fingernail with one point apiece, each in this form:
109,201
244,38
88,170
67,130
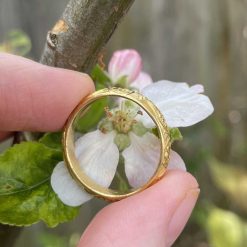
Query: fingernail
181,215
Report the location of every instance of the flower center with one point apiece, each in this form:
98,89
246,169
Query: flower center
122,121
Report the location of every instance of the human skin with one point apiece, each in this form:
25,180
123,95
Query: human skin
35,97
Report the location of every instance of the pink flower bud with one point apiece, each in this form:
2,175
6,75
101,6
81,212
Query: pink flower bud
125,63
197,88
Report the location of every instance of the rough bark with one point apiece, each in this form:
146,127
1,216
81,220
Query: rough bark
84,28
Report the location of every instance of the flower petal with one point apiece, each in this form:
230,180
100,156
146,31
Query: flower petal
176,162
197,88
125,63
180,105
98,156
141,158
143,80
66,188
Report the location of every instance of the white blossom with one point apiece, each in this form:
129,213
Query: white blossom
97,152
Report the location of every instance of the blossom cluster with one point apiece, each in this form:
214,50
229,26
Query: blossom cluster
127,133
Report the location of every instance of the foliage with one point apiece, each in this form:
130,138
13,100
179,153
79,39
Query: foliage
226,229
16,42
52,140
25,192
96,110
100,77
92,116
175,134
232,181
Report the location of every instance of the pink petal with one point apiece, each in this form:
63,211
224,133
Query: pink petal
176,162
125,63
198,88
142,81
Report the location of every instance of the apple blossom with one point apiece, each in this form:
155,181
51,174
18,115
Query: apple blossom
98,154
126,132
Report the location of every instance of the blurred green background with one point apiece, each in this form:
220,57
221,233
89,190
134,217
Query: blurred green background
197,41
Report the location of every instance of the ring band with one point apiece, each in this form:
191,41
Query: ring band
69,152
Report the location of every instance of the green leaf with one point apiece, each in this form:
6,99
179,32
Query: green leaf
122,82
155,131
225,228
100,77
10,185
26,196
52,140
92,117
231,180
175,134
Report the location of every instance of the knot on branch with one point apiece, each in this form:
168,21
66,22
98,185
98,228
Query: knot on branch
52,36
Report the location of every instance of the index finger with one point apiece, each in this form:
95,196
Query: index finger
36,97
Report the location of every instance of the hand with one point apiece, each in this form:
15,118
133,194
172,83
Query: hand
35,97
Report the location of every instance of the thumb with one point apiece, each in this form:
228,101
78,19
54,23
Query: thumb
153,218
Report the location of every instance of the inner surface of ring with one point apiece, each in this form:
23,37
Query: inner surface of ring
113,146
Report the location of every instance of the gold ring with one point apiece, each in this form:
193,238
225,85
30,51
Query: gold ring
68,143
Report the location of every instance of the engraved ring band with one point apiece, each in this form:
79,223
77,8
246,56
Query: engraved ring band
69,150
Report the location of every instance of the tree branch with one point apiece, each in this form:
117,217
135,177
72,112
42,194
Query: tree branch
81,33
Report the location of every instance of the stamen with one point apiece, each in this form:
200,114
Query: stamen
103,130
107,111
122,119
